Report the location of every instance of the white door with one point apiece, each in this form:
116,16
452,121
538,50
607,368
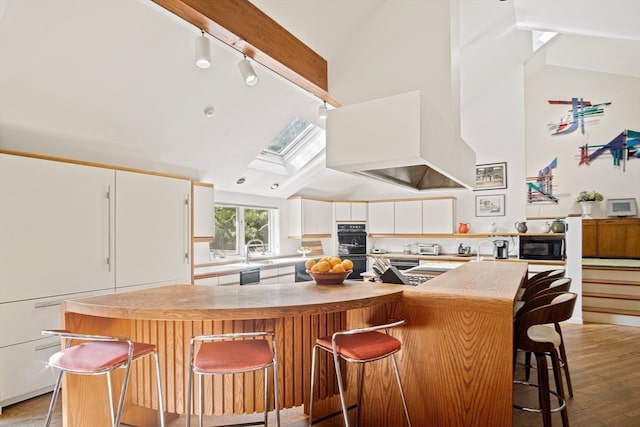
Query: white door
152,229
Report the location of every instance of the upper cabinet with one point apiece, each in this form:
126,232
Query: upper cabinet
309,218
611,238
203,210
420,216
350,211
408,217
438,216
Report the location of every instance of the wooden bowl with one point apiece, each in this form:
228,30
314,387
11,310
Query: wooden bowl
329,278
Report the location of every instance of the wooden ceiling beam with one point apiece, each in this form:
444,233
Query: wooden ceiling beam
244,27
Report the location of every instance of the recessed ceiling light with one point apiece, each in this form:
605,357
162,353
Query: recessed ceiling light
274,186
209,111
240,181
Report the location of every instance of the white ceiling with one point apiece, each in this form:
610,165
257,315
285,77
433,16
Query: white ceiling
114,81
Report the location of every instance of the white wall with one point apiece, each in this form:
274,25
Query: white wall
569,177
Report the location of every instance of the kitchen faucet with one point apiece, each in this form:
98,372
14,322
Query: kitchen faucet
252,243
480,245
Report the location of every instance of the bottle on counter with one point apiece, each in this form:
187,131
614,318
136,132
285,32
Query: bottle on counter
460,249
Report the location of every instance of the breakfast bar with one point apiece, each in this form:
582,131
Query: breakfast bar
455,362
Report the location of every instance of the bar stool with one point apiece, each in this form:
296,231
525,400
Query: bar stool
534,281
232,354
358,346
97,355
531,334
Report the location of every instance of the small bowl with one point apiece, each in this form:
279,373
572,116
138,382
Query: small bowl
329,278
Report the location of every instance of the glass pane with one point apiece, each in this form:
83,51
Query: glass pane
288,135
226,230
256,226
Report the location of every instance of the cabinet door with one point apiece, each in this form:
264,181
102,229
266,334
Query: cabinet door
56,233
438,216
342,211
589,238
152,229
381,218
618,238
203,210
316,218
408,217
358,211
294,212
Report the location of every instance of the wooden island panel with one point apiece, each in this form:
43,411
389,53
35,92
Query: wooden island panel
455,362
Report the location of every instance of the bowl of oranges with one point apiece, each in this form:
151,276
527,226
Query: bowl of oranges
329,270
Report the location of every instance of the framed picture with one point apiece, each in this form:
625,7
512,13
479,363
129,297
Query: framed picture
491,176
490,205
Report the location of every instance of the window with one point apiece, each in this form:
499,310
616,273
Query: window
237,225
284,141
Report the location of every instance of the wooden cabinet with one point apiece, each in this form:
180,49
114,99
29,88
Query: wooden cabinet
611,238
309,218
407,217
589,238
381,218
438,216
350,211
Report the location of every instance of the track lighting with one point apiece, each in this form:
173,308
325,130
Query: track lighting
322,110
203,52
250,77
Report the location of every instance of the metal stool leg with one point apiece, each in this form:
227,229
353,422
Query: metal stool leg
404,402
343,401
54,396
313,377
156,358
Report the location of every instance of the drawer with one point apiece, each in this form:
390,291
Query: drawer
24,372
32,316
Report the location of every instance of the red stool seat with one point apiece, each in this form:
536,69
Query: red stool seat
97,356
364,346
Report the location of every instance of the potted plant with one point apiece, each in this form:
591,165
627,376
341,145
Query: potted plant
586,200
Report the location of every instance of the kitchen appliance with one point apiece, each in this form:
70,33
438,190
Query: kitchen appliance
501,249
352,244
404,263
428,249
542,247
250,276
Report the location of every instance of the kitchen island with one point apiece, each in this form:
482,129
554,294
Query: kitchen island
455,362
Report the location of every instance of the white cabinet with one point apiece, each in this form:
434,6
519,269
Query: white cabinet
381,218
438,216
203,210
350,211
408,217
229,279
152,233
56,228
309,218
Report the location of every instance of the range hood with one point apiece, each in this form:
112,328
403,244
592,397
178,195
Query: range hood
402,140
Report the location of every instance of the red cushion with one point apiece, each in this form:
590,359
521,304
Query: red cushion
96,356
233,356
363,346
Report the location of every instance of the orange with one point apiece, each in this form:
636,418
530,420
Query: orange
338,268
335,260
314,267
323,266
310,263
347,264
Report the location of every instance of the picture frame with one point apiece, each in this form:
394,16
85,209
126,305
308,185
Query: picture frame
491,176
490,205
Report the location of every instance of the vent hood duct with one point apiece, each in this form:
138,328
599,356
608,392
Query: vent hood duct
402,140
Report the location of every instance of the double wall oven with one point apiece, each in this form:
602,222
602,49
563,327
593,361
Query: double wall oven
352,244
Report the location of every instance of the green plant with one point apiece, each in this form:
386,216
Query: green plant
589,196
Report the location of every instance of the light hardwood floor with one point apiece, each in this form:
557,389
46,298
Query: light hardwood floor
603,359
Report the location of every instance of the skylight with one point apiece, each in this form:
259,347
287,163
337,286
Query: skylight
287,138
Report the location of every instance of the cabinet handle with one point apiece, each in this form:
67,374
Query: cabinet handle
47,346
47,304
109,228
187,228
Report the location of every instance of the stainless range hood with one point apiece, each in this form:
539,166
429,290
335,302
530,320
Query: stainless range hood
402,140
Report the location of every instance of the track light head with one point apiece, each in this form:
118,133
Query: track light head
203,52
248,74
322,110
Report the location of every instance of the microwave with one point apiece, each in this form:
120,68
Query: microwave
542,248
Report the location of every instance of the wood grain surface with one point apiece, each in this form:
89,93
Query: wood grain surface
455,361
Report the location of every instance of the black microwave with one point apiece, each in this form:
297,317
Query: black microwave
542,247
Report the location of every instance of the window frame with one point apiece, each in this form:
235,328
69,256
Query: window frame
240,228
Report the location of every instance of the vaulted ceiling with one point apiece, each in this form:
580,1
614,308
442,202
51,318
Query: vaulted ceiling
114,81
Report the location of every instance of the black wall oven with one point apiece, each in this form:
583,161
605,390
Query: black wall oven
352,244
